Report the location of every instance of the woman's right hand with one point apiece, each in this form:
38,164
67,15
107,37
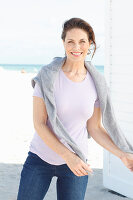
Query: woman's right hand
77,166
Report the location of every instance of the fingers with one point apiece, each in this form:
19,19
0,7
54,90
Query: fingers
77,173
131,168
83,171
89,168
77,166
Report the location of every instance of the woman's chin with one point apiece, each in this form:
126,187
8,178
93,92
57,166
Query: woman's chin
75,58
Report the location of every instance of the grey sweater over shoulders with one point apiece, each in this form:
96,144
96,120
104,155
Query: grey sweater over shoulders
46,77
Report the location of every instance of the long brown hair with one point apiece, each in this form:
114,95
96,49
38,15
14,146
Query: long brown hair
79,23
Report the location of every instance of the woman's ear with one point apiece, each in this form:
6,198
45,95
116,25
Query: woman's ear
90,42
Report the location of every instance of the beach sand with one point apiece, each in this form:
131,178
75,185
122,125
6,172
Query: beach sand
16,110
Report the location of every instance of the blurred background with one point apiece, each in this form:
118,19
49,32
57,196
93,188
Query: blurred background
30,33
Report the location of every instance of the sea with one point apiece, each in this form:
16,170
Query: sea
33,68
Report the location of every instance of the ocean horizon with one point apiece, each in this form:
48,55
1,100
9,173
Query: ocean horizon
33,68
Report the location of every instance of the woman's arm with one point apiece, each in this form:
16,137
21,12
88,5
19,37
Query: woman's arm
39,121
103,139
100,135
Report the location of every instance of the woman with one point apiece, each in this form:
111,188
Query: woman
49,154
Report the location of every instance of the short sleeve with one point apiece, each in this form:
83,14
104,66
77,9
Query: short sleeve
37,91
97,103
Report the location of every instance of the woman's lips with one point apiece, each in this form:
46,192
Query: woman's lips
76,54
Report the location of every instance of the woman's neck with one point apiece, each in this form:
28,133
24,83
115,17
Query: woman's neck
74,67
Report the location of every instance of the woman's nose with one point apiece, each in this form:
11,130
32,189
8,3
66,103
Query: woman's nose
76,46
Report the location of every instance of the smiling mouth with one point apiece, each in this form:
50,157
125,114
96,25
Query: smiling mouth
76,54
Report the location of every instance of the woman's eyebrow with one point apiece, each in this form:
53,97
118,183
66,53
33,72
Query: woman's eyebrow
80,39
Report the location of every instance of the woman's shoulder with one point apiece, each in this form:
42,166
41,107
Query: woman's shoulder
93,70
52,65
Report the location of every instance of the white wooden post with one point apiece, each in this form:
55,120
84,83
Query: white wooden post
119,75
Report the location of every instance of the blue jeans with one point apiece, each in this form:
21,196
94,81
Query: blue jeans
36,177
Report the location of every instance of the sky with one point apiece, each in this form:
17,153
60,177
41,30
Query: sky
30,30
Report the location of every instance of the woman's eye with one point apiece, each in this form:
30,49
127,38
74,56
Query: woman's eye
72,42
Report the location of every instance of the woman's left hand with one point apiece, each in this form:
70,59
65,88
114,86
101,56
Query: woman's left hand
127,159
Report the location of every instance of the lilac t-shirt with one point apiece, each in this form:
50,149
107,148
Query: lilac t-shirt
75,103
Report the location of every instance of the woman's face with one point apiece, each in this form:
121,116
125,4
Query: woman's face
76,44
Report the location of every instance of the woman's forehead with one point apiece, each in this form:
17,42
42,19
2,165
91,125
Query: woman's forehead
79,33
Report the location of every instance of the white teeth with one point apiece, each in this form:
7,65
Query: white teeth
76,53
